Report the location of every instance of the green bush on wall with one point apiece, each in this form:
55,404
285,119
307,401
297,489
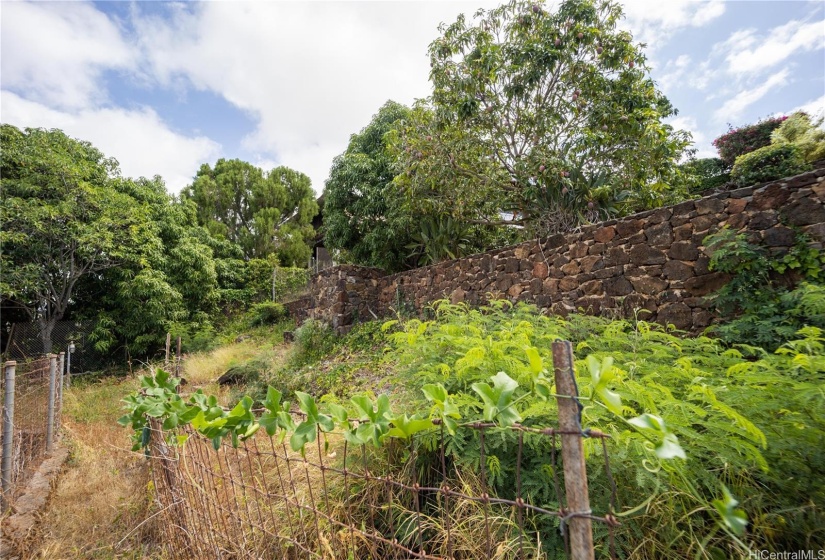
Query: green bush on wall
266,313
768,163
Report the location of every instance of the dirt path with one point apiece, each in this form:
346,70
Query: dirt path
103,495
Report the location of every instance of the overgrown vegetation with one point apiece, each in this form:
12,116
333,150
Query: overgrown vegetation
770,296
748,420
765,164
690,418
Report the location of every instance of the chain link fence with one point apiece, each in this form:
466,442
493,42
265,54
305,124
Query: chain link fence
32,402
26,344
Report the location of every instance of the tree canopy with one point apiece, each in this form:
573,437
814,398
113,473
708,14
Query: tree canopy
69,219
262,212
364,214
541,119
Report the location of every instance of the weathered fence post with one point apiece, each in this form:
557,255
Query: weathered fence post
61,363
572,453
177,360
70,349
168,345
52,387
8,428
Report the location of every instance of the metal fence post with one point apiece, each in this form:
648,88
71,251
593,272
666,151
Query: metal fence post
61,363
52,387
8,428
69,363
572,453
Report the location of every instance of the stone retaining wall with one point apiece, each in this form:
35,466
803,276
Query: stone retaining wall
651,263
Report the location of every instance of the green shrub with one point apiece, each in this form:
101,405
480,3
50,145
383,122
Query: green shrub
746,139
766,164
313,340
756,304
748,420
804,133
266,313
195,337
705,174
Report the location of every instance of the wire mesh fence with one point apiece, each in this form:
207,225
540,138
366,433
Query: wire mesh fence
405,499
26,344
32,398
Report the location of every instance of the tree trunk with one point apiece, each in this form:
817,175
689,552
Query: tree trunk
46,328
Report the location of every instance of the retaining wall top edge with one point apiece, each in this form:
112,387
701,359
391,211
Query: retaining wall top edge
801,180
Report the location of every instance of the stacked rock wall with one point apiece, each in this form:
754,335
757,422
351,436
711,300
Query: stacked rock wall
653,263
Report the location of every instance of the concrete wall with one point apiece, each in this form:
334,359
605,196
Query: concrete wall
653,261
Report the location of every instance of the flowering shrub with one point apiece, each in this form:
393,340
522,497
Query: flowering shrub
768,163
740,141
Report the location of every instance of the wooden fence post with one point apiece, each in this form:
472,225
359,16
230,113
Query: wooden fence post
177,360
572,453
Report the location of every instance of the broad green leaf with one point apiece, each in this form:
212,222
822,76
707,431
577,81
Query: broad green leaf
435,392
601,374
648,421
670,448
339,413
734,519
307,404
273,400
171,422
536,365
304,433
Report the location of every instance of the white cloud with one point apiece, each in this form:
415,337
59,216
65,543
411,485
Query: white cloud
311,73
653,21
814,107
688,123
142,143
735,106
748,52
55,52
674,72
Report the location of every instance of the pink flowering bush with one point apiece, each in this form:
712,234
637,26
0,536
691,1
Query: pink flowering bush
740,141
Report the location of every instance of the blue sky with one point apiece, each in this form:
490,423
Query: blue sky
165,87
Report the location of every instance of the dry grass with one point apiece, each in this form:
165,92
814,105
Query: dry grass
204,368
101,498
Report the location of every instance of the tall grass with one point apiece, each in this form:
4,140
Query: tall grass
101,506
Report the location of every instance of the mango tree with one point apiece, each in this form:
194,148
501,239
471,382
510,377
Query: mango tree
540,119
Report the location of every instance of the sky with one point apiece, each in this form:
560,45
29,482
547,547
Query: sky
165,87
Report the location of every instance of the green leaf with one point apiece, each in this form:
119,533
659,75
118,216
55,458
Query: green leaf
648,421
171,422
307,404
339,413
405,427
435,392
273,400
601,374
536,365
734,519
670,448
498,399
304,433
